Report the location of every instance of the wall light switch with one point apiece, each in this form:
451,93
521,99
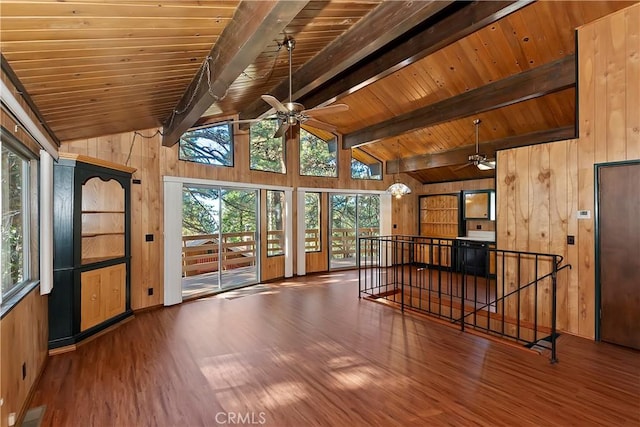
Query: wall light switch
148,237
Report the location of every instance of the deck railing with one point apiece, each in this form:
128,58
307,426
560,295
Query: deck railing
511,294
200,253
344,241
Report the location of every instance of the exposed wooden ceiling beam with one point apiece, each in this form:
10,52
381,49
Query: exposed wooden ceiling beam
381,26
428,40
254,25
461,155
534,83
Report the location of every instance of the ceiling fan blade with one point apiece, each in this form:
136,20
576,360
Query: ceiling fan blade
329,109
320,125
277,105
281,130
487,164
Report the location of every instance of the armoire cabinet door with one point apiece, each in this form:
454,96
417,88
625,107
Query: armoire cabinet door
102,294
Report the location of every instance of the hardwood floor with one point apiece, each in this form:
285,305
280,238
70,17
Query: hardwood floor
309,352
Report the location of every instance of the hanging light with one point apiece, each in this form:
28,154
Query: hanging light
398,189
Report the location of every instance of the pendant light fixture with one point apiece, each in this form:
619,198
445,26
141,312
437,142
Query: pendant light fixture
398,189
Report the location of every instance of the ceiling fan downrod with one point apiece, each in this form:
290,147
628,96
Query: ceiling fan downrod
290,42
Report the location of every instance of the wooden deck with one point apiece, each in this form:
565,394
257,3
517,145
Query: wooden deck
211,283
308,352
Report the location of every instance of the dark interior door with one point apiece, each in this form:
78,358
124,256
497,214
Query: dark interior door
619,253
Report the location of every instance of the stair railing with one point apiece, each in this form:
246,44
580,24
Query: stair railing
511,294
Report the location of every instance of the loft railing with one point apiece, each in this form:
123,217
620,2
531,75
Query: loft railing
511,294
200,253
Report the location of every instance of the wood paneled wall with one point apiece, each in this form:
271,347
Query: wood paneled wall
153,161
540,188
24,335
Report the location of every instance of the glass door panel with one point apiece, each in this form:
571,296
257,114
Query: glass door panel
343,244
200,241
239,238
219,239
368,220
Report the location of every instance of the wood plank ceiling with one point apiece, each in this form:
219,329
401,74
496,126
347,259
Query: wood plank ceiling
101,67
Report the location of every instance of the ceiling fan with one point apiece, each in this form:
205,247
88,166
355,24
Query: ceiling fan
478,159
291,113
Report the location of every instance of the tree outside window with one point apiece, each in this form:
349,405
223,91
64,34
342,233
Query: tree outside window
265,152
15,221
212,145
364,165
312,222
318,156
275,223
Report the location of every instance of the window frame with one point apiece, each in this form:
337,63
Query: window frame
283,150
30,220
333,140
229,125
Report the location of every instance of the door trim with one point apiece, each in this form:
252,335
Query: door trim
598,296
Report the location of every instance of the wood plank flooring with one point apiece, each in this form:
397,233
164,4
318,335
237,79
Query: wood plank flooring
308,352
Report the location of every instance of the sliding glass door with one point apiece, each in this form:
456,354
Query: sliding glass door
219,239
352,216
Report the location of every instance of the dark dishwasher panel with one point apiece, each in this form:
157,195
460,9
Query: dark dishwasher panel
472,257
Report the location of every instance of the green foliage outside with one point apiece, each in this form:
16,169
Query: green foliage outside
312,219
212,145
346,208
265,152
361,170
13,239
275,220
201,211
317,156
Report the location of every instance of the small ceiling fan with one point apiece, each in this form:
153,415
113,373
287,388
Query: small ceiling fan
478,159
291,113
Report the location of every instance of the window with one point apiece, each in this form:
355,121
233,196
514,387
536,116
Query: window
365,166
275,223
318,154
312,222
211,145
16,217
265,152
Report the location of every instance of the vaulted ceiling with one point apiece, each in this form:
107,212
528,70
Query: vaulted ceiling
414,74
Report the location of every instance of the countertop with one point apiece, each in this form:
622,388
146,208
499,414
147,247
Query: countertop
479,236
477,239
